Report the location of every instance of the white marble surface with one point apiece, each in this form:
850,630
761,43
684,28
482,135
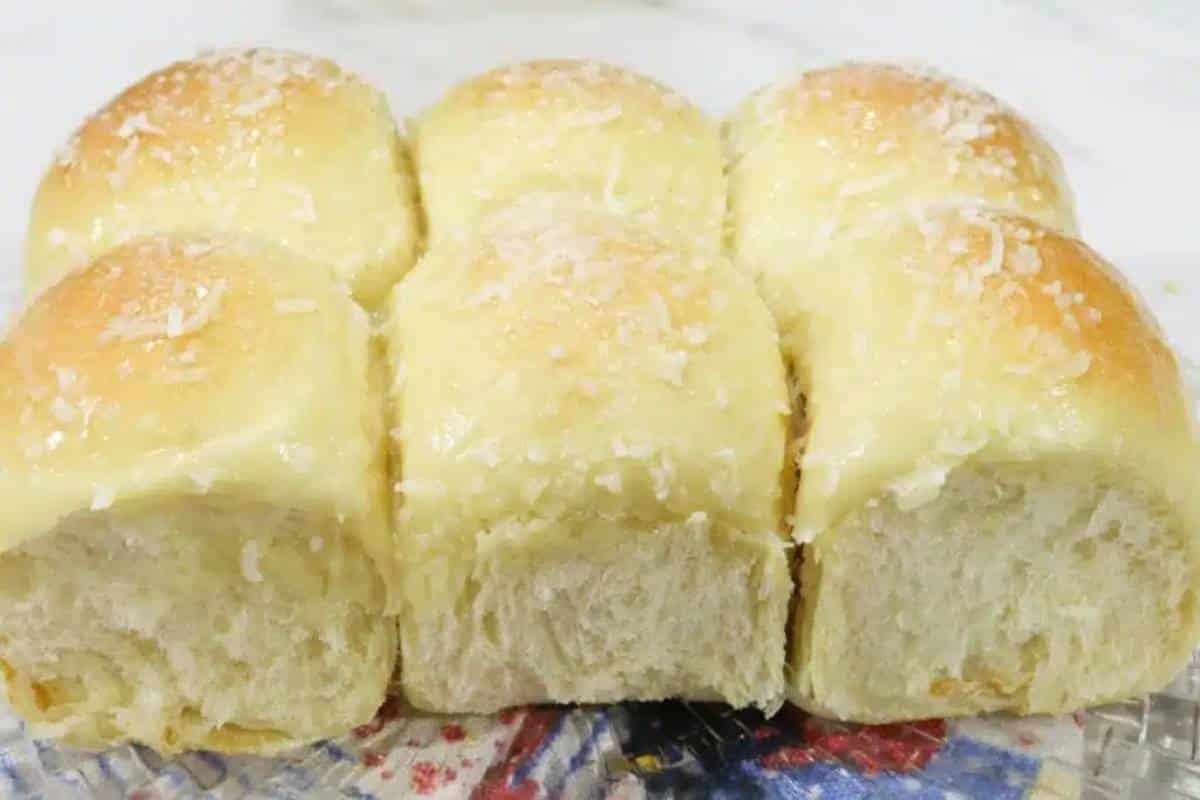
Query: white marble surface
1115,86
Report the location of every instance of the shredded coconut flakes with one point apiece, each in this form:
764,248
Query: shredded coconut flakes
249,562
102,497
295,305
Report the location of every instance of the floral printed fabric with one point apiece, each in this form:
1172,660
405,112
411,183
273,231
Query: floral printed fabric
632,750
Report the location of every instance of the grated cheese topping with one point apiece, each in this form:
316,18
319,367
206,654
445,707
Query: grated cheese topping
102,497
249,562
174,321
295,305
300,457
610,481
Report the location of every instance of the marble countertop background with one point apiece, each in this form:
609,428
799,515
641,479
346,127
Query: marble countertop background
1115,85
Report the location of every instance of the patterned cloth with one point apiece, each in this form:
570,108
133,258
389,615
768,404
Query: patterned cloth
632,750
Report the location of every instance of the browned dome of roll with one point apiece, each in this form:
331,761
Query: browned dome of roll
263,143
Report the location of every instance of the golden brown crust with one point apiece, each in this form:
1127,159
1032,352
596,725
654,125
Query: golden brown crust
878,103
214,111
992,338
1032,279
571,127
568,83
578,357
177,366
812,159
95,353
260,142
602,261
879,115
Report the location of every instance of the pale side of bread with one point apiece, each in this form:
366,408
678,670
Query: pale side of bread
573,127
195,549
812,157
590,429
261,143
998,493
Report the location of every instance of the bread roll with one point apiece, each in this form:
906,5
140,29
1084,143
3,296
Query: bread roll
998,497
194,544
811,158
590,431
570,126
263,143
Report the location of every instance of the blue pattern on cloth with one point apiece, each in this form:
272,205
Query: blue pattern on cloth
963,768
678,750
